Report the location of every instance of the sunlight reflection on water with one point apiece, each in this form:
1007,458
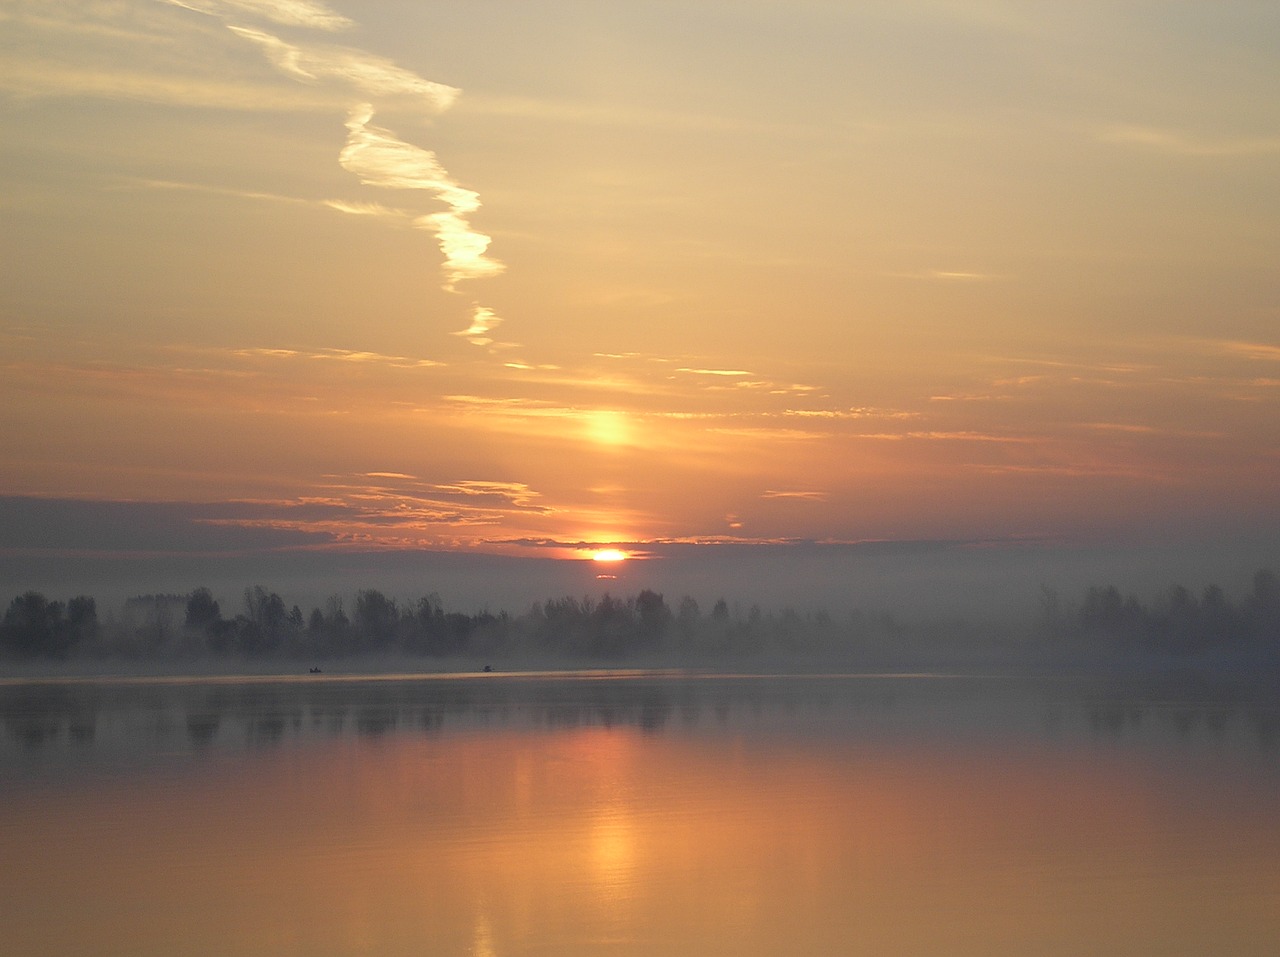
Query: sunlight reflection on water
638,814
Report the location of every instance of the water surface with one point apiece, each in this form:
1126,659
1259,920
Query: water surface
638,813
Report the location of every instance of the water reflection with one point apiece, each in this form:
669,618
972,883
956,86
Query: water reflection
168,713
641,814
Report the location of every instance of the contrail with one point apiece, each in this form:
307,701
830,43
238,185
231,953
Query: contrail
294,13
379,158
371,75
375,155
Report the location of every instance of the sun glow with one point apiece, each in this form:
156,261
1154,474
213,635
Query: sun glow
607,427
608,555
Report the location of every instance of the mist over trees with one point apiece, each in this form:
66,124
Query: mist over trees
1102,624
33,626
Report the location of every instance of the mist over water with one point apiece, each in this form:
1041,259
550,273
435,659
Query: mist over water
639,813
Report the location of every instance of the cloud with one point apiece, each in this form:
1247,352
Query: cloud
806,496
483,320
517,494
531,367
769,433
971,397
1185,144
379,158
1122,427
1257,351
37,78
389,214
375,155
948,275
967,436
956,275
710,378
371,75
854,413
43,525
376,210
378,510
256,195
715,372
293,13
340,355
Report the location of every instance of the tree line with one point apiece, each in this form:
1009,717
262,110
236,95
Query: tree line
643,626
1176,621
194,625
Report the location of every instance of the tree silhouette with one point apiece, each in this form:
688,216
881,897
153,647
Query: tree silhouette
31,625
202,610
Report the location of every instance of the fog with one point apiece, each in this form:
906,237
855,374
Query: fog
1103,628
911,580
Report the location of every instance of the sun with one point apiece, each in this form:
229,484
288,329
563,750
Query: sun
608,555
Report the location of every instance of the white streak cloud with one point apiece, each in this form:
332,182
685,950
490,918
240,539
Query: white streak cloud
371,75
340,355
809,496
483,321
376,156
292,13
717,372
376,210
379,158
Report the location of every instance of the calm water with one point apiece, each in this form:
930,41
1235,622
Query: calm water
638,814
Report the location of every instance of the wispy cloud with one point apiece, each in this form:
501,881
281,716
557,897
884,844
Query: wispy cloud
516,493
768,433
804,496
715,372
371,75
299,13
340,355
376,210
710,378
854,413
374,154
28,77
389,214
532,367
1186,144
379,158
483,321
249,194
388,509
940,435
969,397
948,275
1258,351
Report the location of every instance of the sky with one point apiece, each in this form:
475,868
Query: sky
796,299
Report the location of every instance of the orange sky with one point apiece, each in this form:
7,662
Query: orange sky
479,276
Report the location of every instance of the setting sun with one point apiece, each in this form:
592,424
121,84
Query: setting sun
608,555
